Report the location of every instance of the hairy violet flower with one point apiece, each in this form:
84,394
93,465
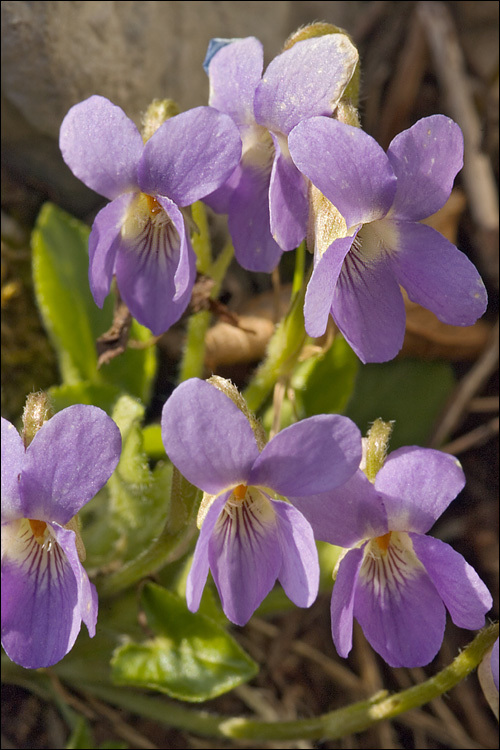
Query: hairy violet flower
141,236
266,197
248,539
46,592
394,579
381,199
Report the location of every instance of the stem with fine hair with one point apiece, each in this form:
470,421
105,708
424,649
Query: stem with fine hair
332,725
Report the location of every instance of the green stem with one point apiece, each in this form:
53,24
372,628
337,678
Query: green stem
335,724
193,358
300,266
283,353
201,239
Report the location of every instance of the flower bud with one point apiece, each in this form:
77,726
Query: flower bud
233,393
158,111
375,447
38,409
349,101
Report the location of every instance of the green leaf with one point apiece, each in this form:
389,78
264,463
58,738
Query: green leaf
321,384
191,658
411,392
102,395
60,272
329,555
138,497
128,514
133,371
70,315
324,384
152,441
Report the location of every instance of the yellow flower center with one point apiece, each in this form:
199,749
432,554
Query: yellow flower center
240,492
153,205
38,529
383,541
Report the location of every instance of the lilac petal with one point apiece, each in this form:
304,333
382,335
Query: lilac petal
190,155
245,557
299,574
309,457
101,146
87,593
198,573
342,605
321,286
288,203
438,276
464,594
185,273
156,271
346,515
41,610
234,71
215,44
306,80
249,222
368,308
104,242
68,461
346,165
207,437
417,485
220,199
425,159
403,617
12,463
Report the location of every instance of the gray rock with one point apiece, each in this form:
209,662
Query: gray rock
55,54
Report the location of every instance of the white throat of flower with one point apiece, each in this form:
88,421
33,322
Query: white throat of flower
242,499
389,561
149,230
257,148
375,239
245,512
32,545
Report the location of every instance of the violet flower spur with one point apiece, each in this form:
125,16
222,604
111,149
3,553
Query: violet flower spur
248,539
378,243
46,592
393,578
141,236
266,197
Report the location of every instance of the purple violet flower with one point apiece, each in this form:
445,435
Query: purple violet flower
393,578
248,539
141,236
266,197
46,592
382,198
